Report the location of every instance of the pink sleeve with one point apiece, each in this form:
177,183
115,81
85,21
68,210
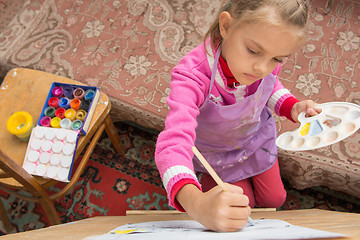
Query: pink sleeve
173,155
279,93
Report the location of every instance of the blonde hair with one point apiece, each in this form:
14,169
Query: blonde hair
277,12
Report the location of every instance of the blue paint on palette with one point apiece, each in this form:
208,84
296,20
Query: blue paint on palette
315,128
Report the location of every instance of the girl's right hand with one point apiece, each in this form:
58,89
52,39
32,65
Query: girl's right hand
216,209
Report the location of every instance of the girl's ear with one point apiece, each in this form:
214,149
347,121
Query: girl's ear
225,21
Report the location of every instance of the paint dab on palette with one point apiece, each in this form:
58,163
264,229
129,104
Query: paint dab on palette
305,129
315,128
332,121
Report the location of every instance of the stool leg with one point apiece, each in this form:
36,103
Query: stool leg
50,210
113,134
5,218
30,183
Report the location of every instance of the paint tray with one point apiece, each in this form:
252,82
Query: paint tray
337,121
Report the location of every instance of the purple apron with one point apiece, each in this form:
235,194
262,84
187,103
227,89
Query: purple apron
237,140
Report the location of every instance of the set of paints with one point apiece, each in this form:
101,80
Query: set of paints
66,114
67,106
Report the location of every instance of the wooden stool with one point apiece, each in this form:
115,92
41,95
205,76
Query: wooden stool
26,90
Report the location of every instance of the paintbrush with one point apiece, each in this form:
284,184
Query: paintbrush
214,175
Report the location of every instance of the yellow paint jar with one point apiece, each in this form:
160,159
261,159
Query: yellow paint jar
55,122
70,114
20,124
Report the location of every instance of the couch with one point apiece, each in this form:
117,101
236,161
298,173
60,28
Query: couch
127,48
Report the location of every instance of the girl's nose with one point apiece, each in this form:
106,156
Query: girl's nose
260,68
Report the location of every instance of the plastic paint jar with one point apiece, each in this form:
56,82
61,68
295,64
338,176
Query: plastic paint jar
70,114
40,169
65,123
45,121
79,93
61,134
49,111
66,161
57,92
81,114
53,102
89,94
33,156
76,125
75,104
55,122
60,113
72,136
63,174
20,124
64,102
85,105
68,91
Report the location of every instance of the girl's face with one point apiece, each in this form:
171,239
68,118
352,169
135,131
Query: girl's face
252,51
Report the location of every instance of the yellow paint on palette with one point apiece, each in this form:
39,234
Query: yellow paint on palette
305,129
125,231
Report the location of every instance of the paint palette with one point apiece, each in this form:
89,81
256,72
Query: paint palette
50,153
337,121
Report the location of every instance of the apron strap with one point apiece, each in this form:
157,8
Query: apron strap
214,69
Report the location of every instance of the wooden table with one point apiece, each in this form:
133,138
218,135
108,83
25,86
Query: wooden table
347,223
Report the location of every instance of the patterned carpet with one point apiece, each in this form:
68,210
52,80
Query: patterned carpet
112,184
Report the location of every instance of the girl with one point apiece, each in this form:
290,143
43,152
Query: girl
220,97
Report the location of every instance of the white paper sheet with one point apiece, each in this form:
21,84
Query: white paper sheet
266,229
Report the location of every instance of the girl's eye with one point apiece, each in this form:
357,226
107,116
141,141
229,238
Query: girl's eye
278,60
251,51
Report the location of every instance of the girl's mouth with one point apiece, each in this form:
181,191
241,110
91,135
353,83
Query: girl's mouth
252,77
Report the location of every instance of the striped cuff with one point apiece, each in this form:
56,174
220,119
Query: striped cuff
177,188
277,99
175,174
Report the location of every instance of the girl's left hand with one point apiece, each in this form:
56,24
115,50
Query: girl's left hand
305,105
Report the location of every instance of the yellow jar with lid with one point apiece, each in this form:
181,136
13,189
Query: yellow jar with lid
20,124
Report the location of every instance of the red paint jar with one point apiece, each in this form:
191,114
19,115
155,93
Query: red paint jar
53,102
60,113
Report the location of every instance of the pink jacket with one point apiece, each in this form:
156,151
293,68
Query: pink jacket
190,81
